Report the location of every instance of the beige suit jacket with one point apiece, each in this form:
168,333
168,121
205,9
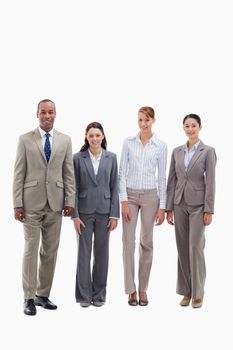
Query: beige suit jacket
37,182
197,185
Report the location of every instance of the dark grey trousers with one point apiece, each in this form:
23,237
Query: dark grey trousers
92,271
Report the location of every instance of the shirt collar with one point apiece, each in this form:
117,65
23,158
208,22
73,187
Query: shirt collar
42,132
93,157
194,148
153,139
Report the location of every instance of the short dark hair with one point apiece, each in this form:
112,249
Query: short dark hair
95,125
193,116
45,100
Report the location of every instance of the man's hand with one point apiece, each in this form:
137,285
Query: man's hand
19,214
68,211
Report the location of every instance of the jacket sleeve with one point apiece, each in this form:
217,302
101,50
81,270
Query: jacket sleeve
210,181
68,177
114,209
19,174
76,175
171,184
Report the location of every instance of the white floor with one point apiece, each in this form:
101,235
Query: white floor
162,324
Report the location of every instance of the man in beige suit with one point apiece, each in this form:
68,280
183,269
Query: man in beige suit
43,190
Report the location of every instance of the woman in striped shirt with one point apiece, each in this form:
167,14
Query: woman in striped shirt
142,181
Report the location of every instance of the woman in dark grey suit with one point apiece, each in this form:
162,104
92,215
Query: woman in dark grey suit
96,212
190,195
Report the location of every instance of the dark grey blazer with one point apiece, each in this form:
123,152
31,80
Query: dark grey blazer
197,185
96,193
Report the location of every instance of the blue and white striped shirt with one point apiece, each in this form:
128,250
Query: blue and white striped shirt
143,167
188,154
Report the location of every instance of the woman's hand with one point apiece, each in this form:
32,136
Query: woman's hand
169,218
125,211
207,219
77,225
160,216
112,224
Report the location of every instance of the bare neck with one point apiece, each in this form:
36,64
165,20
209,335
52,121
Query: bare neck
95,152
146,137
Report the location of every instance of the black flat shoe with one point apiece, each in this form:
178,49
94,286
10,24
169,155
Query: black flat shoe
45,303
143,302
29,307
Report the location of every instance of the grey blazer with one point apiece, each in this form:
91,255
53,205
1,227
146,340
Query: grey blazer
197,185
37,182
96,193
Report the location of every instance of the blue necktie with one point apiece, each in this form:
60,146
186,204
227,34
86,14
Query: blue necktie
47,147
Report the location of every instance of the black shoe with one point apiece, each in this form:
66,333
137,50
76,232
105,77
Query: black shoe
29,307
45,303
143,302
132,301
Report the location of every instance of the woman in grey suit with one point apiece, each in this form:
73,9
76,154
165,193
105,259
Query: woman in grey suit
96,212
190,196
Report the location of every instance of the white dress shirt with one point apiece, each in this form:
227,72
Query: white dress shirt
143,167
43,137
95,161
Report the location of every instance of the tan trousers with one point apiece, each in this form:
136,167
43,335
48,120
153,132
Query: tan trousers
41,229
147,202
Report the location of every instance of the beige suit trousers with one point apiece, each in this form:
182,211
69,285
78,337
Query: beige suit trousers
147,202
190,240
41,233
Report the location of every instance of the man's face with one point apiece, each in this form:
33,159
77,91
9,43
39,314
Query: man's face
46,115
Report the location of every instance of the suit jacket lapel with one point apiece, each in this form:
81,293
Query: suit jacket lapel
196,156
102,165
181,159
54,145
89,166
38,141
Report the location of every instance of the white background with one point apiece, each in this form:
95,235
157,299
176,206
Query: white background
102,60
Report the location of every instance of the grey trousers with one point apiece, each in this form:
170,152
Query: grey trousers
190,240
41,233
147,202
91,282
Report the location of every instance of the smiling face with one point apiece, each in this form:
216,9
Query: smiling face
191,128
94,137
145,123
46,115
